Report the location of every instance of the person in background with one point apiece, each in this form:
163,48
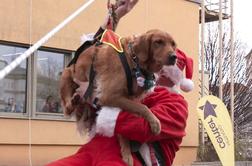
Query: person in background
49,105
11,105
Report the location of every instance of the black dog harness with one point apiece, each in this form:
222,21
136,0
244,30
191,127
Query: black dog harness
136,72
160,159
123,60
127,72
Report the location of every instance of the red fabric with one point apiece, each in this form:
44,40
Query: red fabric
184,61
100,151
170,108
111,38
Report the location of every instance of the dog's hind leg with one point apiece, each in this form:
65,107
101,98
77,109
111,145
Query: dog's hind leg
67,89
125,150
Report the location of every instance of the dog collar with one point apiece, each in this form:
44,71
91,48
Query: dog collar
144,79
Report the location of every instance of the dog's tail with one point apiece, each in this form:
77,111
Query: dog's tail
85,118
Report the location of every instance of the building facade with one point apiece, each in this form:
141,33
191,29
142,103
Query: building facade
33,127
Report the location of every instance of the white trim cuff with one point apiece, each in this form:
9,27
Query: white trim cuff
106,121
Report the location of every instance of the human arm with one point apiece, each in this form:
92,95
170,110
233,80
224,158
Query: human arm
169,108
122,7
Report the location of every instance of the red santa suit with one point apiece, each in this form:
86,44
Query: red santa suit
104,150
168,106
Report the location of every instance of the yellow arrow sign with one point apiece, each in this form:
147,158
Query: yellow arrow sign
217,122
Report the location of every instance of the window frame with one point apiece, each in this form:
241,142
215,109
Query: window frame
26,113
44,115
31,85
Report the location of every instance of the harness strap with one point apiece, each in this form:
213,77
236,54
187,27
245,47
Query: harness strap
127,72
92,75
86,45
158,153
95,104
135,146
140,158
83,47
90,88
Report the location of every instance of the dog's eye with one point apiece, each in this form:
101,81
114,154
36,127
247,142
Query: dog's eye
173,43
159,42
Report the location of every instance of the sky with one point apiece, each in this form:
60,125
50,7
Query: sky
243,21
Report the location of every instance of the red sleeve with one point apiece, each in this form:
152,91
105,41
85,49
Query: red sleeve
171,109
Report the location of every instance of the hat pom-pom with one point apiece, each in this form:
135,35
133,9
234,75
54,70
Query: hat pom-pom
186,85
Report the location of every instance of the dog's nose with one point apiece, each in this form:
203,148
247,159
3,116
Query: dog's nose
172,59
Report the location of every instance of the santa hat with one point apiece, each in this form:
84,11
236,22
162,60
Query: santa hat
185,62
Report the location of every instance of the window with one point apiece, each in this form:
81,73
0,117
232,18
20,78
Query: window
49,68
13,86
32,88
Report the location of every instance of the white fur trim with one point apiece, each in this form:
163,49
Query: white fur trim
152,89
106,120
173,89
145,153
87,37
186,85
173,73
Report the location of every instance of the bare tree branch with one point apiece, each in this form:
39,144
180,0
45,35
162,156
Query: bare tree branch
242,83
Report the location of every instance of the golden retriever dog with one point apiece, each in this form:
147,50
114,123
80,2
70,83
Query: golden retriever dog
153,49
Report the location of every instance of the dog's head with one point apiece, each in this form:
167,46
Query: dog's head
154,49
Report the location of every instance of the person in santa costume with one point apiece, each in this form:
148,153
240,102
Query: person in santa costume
167,104
164,100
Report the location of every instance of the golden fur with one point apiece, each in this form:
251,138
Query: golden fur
153,49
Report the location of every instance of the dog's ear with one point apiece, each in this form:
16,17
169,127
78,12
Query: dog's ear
141,46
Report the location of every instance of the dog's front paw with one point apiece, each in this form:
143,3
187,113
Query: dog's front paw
76,99
155,126
68,108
